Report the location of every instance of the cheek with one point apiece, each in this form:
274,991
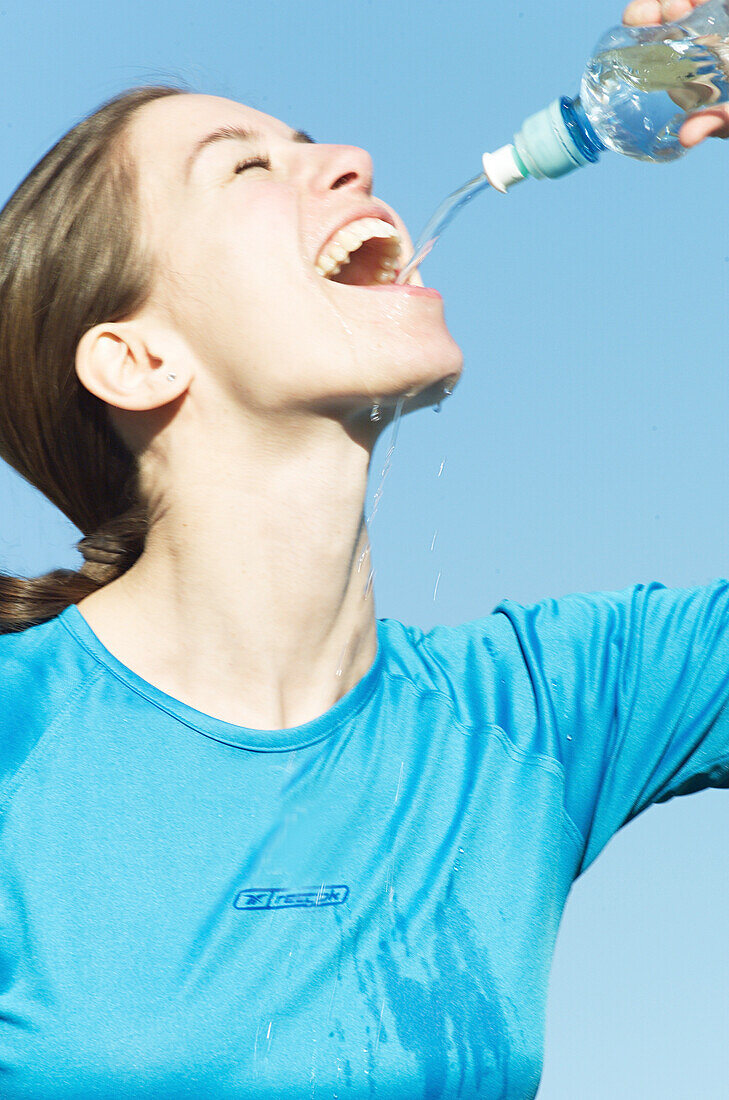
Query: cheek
269,294
261,324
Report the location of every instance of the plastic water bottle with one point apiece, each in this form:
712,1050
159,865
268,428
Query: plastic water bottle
636,91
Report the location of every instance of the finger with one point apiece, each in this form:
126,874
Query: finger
673,10
712,123
643,13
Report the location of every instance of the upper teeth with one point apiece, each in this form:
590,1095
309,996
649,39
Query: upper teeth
338,248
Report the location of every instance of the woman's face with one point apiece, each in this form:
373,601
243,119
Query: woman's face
238,247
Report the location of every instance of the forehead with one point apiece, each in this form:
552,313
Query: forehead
170,127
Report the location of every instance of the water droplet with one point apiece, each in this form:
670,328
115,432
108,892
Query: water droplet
341,660
402,767
375,413
369,583
435,536
388,457
441,467
436,408
435,590
375,504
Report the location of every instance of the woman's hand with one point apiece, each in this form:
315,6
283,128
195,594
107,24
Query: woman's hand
710,122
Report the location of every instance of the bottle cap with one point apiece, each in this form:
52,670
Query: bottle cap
501,168
545,146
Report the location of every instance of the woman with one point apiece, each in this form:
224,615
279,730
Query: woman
254,841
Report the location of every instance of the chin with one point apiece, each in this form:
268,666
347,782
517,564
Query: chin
419,383
429,380
423,393
431,395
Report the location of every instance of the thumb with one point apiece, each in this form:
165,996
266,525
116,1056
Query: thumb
713,122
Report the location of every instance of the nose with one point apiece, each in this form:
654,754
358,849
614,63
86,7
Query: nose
344,166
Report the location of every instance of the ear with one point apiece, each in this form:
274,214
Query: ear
114,362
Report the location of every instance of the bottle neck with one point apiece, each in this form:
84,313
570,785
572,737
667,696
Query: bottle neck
556,140
581,129
551,143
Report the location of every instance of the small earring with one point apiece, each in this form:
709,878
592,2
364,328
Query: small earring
171,377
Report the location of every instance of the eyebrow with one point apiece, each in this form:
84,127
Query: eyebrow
235,133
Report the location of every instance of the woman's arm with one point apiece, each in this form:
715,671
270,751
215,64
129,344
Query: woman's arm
623,695
629,691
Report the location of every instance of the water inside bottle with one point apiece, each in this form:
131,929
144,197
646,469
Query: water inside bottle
440,219
631,93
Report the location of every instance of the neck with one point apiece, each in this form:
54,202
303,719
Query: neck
251,600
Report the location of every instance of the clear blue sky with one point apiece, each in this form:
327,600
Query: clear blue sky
585,449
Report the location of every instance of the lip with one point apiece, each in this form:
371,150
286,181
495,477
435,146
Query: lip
372,210
405,288
409,289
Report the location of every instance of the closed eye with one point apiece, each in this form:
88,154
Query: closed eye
252,162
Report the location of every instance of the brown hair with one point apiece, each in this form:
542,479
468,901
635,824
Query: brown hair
72,257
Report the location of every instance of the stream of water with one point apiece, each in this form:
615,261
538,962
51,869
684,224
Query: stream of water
440,219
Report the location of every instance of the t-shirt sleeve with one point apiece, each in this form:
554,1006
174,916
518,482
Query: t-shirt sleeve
629,691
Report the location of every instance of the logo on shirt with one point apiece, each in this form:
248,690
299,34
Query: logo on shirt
278,898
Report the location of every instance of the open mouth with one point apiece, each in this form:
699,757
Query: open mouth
367,252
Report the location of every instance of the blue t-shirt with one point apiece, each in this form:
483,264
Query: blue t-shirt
363,906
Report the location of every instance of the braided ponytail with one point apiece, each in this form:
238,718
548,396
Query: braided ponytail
115,547
71,257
